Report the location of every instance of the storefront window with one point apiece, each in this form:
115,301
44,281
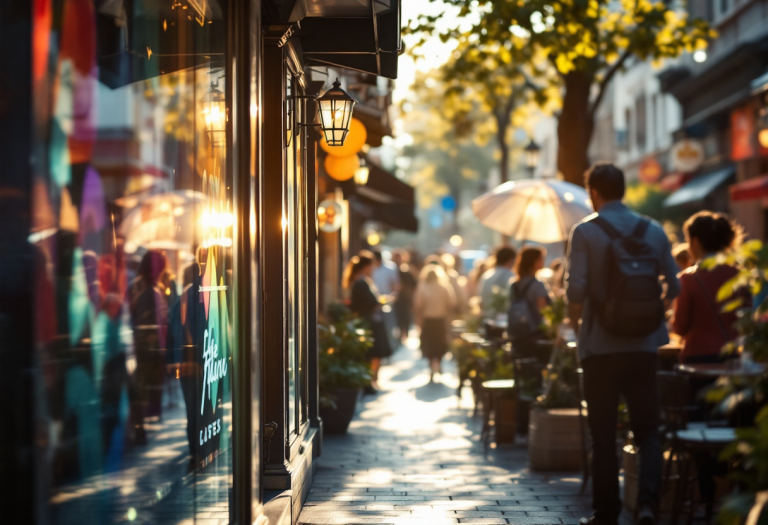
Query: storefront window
133,227
290,249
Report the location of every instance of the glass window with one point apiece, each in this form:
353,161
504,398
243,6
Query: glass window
133,231
290,255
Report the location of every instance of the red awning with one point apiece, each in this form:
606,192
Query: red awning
751,189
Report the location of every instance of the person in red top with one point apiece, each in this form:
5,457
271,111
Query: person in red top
698,315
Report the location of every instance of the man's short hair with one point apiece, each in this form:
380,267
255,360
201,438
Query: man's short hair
377,255
504,255
606,179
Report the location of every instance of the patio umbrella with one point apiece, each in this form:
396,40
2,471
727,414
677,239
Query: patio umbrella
166,221
536,210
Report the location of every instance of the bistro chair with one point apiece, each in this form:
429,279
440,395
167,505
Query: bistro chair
684,440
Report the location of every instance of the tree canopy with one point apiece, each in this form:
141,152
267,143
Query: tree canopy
577,45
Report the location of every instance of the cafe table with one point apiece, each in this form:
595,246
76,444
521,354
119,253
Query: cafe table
733,368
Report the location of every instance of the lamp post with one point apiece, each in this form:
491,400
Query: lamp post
215,114
532,152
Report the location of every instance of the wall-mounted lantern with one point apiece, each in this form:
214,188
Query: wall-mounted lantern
361,175
215,114
335,108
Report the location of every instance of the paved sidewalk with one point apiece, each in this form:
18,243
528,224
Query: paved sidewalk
412,455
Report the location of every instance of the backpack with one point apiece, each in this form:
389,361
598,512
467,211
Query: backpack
520,320
632,305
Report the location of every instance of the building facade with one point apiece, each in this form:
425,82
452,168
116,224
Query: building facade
161,252
722,95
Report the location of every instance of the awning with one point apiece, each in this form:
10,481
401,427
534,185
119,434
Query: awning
385,199
135,42
698,189
375,124
674,181
352,34
751,189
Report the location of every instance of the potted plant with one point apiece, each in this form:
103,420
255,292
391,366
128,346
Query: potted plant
555,432
343,367
748,454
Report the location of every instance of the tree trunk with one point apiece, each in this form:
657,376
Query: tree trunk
575,126
502,124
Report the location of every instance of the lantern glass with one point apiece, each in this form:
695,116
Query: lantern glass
532,152
335,114
215,114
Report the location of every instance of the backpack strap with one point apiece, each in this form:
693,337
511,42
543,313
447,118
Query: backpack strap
613,233
525,288
607,227
641,228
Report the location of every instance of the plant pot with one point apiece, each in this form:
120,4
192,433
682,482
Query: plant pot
505,420
337,420
555,439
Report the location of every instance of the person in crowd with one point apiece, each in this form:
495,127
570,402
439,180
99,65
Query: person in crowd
386,277
682,254
698,315
404,301
618,353
149,317
366,304
535,293
700,320
473,280
497,277
449,263
433,306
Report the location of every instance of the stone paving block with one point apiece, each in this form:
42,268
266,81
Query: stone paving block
478,514
484,521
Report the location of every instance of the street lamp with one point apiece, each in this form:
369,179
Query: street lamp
215,114
335,107
532,152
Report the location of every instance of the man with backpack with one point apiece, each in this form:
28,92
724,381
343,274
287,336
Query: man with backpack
617,304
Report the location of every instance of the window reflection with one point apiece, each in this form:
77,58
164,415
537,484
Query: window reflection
133,236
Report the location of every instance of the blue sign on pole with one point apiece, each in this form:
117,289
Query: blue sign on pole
448,203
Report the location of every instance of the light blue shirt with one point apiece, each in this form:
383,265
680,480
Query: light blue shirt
586,278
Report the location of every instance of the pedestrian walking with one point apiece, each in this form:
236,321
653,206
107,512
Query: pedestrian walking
528,298
617,307
404,301
386,277
366,302
472,288
497,278
433,307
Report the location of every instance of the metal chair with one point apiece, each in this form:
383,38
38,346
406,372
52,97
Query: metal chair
684,440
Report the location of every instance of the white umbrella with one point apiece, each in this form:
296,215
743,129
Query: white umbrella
536,210
167,221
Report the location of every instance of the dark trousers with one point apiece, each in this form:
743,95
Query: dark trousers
606,377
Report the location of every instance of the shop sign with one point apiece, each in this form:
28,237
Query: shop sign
742,129
687,155
650,171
